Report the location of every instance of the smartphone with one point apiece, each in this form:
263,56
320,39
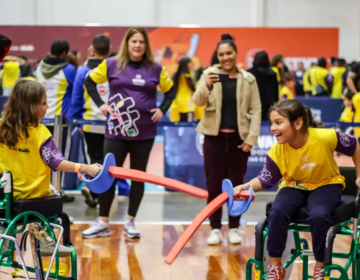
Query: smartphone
223,77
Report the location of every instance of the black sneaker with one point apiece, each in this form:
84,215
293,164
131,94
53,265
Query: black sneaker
67,198
89,200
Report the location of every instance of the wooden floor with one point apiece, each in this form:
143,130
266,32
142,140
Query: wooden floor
115,258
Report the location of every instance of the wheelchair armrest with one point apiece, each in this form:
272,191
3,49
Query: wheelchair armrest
357,204
259,239
329,242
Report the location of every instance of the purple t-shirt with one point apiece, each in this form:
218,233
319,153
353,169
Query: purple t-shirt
50,154
132,96
271,175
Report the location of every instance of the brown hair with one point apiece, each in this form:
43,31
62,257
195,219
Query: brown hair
72,59
276,59
124,57
288,77
293,109
20,111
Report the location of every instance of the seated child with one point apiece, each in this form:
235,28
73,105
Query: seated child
348,114
303,158
27,148
287,90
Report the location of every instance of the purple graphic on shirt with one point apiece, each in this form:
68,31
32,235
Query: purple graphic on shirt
132,97
124,119
50,154
270,174
346,144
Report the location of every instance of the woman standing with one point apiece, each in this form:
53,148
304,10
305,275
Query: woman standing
231,124
182,109
266,81
277,65
133,78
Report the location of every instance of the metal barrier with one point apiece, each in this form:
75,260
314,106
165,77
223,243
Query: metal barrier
59,122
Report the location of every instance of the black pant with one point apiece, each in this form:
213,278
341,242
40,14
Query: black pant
223,160
320,204
94,144
139,156
186,117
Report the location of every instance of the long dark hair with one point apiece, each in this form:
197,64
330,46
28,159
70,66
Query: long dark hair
293,109
182,69
261,59
20,111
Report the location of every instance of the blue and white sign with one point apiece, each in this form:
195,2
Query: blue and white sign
183,154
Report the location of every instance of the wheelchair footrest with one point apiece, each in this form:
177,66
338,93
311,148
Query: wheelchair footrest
21,274
63,251
304,253
308,253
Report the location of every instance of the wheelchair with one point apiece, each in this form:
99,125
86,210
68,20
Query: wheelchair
16,215
346,222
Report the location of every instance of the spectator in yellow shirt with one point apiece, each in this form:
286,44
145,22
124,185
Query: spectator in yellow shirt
337,72
348,114
182,108
287,91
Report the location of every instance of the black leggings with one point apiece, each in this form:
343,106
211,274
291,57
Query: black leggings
139,156
93,141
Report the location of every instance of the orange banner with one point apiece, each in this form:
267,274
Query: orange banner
170,44
296,44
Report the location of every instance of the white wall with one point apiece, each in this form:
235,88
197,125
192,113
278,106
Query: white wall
344,14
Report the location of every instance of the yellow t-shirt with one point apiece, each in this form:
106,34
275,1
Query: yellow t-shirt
306,82
11,73
184,94
347,115
30,78
317,77
313,165
356,109
285,93
278,75
337,73
31,176
182,102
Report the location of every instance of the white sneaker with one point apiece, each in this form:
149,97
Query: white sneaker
234,236
215,237
98,229
130,230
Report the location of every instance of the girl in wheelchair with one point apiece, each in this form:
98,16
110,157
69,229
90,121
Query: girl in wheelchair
303,159
27,148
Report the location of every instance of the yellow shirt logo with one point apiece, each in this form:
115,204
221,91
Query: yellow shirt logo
31,176
313,165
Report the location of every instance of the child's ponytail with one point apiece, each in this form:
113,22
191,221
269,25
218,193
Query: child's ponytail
293,109
311,121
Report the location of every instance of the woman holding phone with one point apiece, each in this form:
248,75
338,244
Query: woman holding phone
231,124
